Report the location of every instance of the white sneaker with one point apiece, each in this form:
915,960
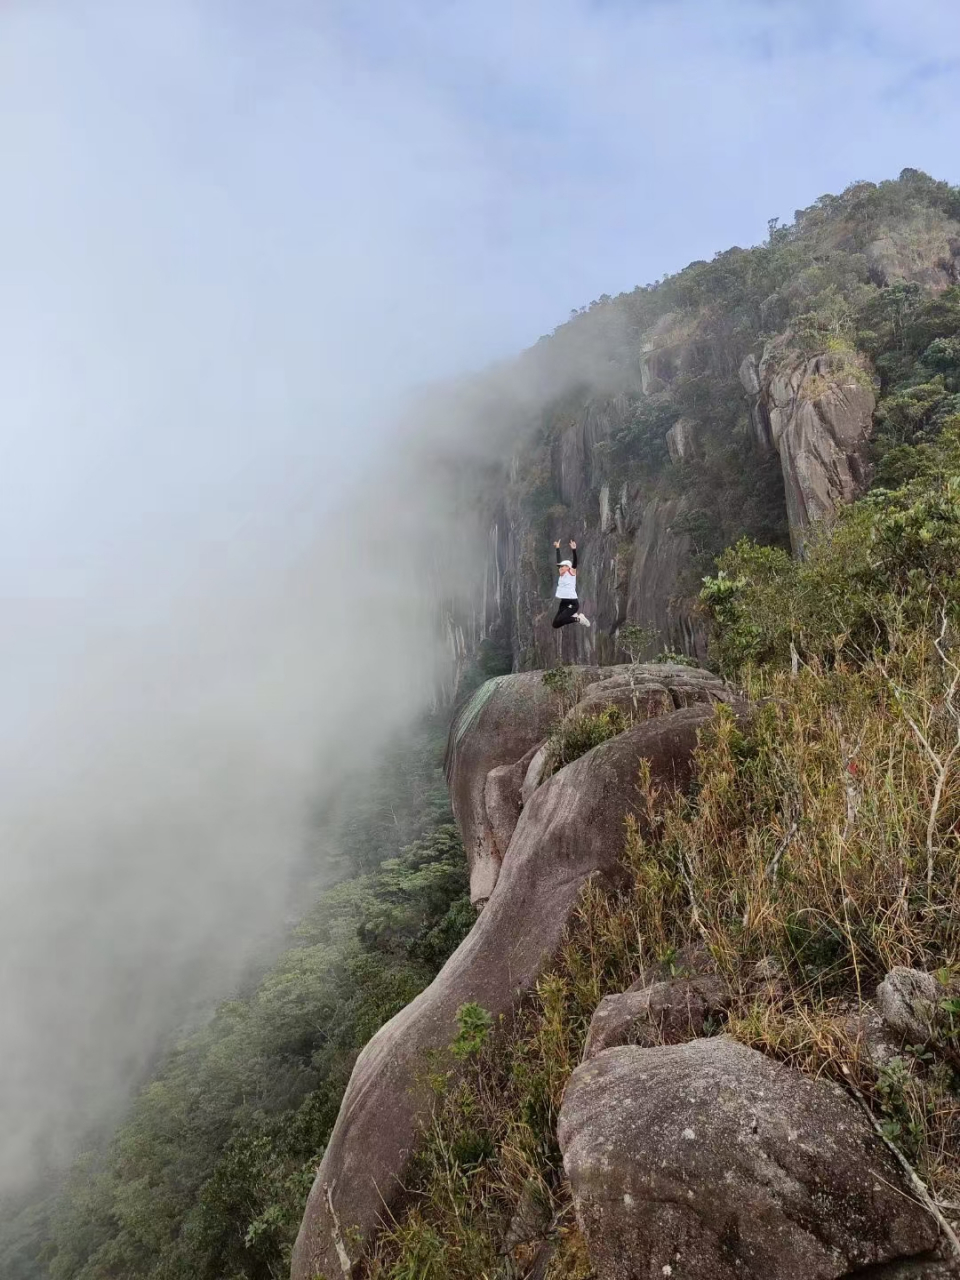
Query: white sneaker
583,620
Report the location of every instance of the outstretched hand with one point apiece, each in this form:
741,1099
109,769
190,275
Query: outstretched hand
557,544
573,545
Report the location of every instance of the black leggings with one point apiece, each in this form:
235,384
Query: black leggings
567,613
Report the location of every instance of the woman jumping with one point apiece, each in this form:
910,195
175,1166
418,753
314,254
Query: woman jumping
569,610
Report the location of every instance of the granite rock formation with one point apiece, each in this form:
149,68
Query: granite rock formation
709,1161
570,828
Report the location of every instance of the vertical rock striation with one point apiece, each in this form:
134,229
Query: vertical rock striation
820,416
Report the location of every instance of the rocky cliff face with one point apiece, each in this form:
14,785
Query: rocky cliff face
818,414
634,549
730,400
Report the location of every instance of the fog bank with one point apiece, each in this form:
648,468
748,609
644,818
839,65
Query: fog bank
206,564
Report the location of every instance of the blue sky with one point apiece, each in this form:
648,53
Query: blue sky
233,236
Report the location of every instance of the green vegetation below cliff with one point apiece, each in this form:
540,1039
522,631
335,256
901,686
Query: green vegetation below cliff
208,1174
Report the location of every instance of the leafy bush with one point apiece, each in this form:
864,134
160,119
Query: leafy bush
473,1029
676,659
636,640
559,680
567,684
887,565
915,342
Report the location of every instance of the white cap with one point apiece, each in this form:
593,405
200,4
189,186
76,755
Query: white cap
568,563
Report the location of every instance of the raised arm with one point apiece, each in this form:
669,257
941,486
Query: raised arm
557,545
573,548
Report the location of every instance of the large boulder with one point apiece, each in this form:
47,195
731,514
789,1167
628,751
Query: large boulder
641,699
667,1012
497,749
709,1161
819,413
640,689
639,692
571,828
496,728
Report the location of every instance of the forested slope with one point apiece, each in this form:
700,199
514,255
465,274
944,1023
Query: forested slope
208,1174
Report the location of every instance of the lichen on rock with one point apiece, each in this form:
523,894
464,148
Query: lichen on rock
710,1161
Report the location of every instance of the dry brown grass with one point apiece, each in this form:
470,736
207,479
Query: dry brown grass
805,844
